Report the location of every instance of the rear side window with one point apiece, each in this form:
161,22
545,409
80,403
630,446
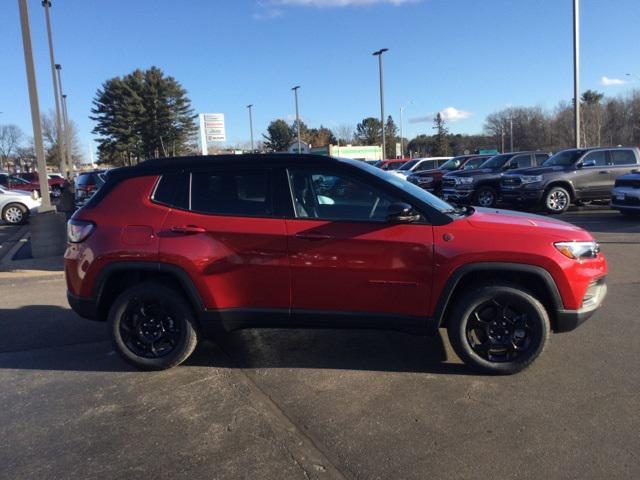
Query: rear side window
85,179
173,190
623,157
240,193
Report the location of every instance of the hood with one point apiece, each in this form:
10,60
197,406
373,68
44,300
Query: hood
536,170
430,173
500,220
17,193
472,173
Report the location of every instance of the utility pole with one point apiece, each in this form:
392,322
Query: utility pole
56,93
251,126
65,118
576,69
295,93
380,71
35,107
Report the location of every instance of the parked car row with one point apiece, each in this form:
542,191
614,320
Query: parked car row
29,182
539,179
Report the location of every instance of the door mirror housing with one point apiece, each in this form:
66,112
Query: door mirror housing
402,213
589,162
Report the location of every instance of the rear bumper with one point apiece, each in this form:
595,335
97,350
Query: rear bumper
567,320
84,306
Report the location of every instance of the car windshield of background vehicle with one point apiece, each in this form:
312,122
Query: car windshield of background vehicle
474,163
452,164
564,158
408,165
496,161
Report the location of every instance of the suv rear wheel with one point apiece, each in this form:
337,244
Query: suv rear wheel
486,197
152,327
557,200
498,329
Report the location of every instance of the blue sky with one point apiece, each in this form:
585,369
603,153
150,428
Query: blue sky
469,56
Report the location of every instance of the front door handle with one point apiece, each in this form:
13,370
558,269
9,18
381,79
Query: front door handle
604,171
313,236
187,229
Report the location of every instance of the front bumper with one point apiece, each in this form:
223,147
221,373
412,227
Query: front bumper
455,195
521,195
84,306
625,198
567,320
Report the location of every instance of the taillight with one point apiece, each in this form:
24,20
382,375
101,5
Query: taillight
79,230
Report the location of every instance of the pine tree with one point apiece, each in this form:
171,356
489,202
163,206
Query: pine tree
391,137
441,138
279,136
369,132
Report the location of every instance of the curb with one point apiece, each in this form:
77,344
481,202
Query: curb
9,248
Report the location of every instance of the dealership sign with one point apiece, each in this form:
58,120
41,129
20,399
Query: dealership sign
211,129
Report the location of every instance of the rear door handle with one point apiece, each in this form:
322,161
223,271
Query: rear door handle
604,171
313,236
187,229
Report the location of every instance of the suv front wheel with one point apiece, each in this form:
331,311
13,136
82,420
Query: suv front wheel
152,327
498,329
557,200
486,197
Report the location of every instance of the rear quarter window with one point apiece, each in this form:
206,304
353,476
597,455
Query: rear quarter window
623,157
173,190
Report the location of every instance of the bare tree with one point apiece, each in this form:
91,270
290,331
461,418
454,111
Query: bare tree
10,137
50,136
344,133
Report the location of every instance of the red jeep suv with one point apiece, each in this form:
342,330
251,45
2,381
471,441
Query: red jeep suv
175,249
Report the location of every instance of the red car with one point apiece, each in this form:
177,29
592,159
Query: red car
174,249
431,180
55,182
392,164
12,182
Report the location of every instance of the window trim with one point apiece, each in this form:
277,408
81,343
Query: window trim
360,177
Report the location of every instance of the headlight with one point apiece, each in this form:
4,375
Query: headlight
465,180
424,179
530,178
578,250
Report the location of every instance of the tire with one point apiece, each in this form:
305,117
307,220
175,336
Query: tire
15,214
557,200
152,327
486,197
479,320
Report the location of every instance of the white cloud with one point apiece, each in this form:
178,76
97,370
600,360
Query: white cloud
611,82
450,114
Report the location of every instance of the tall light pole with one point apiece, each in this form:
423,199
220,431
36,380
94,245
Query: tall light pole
295,94
511,131
576,69
380,70
35,107
65,118
401,129
56,93
251,126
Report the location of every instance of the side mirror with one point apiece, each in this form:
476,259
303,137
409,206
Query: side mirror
402,213
587,163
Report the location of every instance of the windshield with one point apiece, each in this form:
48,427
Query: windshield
452,164
564,158
474,163
408,165
408,187
497,161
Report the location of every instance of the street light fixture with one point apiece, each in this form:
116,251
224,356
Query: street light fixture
627,74
56,92
295,93
251,125
380,71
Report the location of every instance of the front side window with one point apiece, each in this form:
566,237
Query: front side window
623,157
521,161
239,193
497,161
564,158
474,163
336,196
541,158
597,158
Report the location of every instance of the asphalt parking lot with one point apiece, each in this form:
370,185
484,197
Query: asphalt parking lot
276,404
